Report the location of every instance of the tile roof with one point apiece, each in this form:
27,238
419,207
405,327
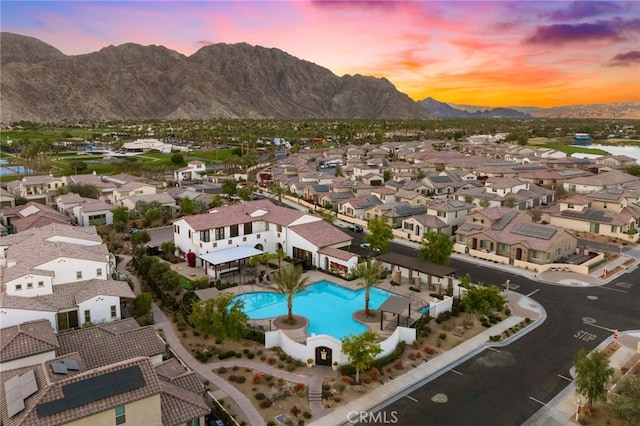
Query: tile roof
180,405
321,234
259,210
337,253
100,345
27,339
68,296
151,386
162,198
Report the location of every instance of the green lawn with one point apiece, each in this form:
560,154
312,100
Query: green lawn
571,149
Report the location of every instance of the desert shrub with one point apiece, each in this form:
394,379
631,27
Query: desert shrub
374,374
239,355
241,379
337,398
222,370
265,403
227,354
527,320
412,355
245,351
306,415
340,387
251,355
345,379
298,387
257,378
268,378
295,411
442,336
398,364
415,344
259,352
271,360
263,357
260,396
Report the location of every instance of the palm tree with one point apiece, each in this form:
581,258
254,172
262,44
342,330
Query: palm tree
280,254
254,261
289,281
279,191
369,272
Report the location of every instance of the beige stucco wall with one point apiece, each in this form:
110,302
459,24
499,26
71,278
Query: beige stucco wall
142,412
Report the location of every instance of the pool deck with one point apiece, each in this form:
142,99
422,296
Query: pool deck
299,334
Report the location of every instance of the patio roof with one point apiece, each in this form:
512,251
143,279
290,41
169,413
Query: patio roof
417,264
207,293
229,255
395,304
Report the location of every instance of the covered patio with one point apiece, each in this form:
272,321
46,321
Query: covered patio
397,305
228,262
399,262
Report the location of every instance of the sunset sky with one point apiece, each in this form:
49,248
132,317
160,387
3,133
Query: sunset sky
504,53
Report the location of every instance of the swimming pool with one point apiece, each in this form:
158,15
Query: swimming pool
326,305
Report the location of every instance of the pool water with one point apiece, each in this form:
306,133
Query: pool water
326,305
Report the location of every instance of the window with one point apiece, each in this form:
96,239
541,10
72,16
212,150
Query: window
408,226
40,284
204,236
87,316
219,233
570,206
67,320
120,416
194,422
536,254
505,248
594,228
18,287
279,228
29,286
234,231
189,233
113,311
248,228
442,214
78,275
98,272
176,229
462,238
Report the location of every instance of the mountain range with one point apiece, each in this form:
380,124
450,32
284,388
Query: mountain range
130,81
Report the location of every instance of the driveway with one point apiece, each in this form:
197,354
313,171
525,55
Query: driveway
160,235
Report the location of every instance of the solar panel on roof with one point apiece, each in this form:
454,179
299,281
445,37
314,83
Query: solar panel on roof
71,364
59,368
94,389
441,179
28,383
456,203
504,220
534,231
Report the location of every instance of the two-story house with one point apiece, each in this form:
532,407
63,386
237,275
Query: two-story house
226,237
67,282
40,189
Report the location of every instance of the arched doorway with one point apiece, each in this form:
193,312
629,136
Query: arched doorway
324,355
259,247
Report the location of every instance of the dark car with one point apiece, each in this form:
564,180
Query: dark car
355,228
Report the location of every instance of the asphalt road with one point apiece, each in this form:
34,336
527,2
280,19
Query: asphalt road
508,385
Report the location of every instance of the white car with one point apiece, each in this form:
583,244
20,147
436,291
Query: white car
368,247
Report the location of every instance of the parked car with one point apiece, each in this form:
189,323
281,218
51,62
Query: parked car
355,228
368,247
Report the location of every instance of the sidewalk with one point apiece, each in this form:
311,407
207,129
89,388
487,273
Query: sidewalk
521,308
561,410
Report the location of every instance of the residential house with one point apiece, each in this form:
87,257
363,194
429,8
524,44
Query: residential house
608,213
67,282
418,225
510,192
166,201
130,189
511,234
65,392
40,189
27,343
394,214
385,194
598,182
226,237
356,207
30,215
7,199
85,211
410,197
620,161
195,170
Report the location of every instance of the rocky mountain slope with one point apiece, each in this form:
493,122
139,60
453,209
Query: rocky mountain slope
444,110
130,81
